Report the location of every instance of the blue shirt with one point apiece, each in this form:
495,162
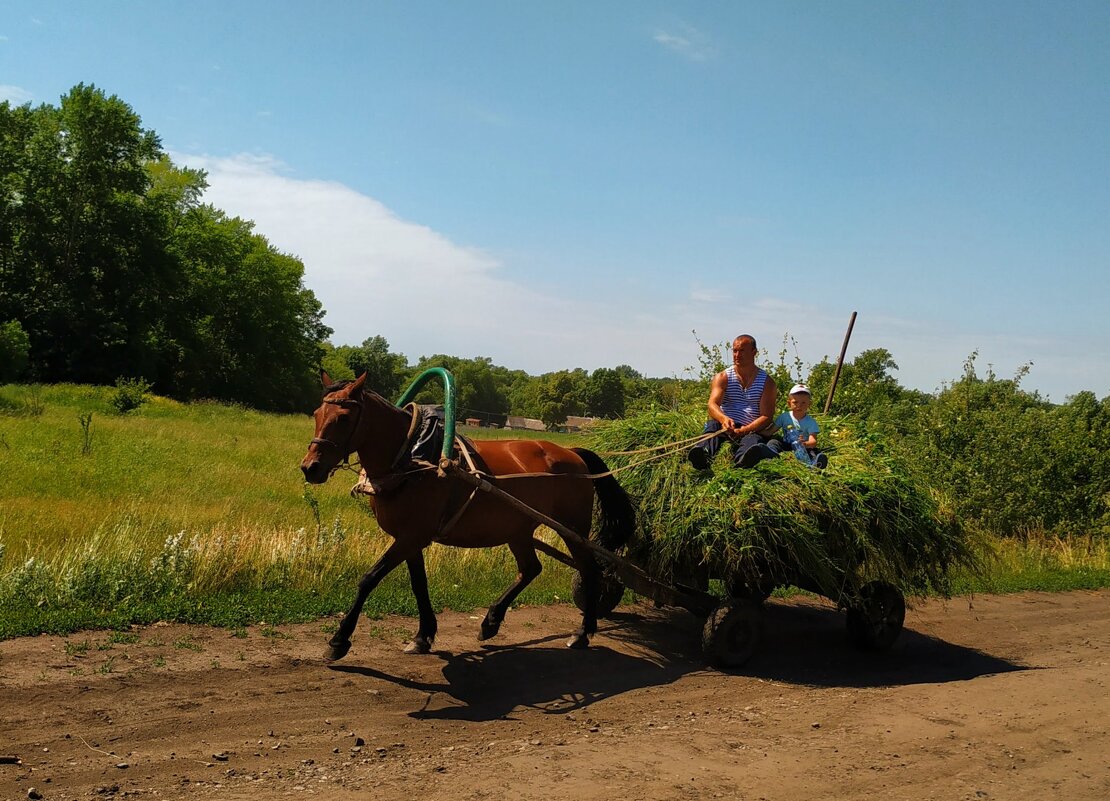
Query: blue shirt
807,424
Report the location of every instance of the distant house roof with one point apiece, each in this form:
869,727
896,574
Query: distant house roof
574,423
524,424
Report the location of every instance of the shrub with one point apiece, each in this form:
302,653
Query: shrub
129,394
14,349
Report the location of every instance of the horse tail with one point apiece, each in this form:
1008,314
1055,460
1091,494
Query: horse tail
618,517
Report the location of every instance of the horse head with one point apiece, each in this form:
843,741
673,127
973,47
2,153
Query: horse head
337,427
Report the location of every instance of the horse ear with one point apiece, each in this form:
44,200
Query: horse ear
325,379
357,386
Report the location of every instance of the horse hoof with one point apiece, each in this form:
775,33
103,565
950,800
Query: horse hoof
488,630
336,651
578,641
419,645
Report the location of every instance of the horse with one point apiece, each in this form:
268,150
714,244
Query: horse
418,507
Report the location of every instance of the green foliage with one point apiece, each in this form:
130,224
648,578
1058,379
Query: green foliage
604,394
111,265
483,388
1013,462
129,395
14,348
385,371
559,395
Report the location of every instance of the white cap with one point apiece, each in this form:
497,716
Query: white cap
794,390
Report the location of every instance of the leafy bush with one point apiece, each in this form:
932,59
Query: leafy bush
129,394
1012,462
14,349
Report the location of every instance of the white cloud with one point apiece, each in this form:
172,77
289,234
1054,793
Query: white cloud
377,273
15,95
690,42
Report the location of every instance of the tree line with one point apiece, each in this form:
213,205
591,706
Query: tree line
111,267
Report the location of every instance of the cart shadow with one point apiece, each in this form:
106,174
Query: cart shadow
802,644
807,644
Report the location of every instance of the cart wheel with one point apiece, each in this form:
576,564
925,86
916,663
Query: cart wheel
611,593
732,633
876,622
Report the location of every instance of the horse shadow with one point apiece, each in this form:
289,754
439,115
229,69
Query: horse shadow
801,644
494,681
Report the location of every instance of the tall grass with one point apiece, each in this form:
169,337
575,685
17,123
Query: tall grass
182,509
198,512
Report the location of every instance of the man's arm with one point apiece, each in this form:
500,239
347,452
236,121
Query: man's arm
716,395
767,403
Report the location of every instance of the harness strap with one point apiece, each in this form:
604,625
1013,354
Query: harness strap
450,524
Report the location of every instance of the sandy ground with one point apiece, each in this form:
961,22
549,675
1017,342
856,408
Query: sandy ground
995,697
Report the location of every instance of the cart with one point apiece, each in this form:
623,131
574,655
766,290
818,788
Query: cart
732,623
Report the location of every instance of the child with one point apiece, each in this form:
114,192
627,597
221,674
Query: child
798,427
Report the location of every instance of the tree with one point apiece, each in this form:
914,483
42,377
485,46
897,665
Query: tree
482,387
248,329
865,384
603,395
385,371
81,267
560,395
114,269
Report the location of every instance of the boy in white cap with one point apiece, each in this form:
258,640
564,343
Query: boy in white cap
798,426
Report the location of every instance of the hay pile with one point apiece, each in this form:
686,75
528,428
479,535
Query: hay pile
782,523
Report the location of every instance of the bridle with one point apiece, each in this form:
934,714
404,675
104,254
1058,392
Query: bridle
347,403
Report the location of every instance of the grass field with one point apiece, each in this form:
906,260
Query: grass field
198,512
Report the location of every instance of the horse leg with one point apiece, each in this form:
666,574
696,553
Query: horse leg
529,567
591,584
398,552
426,634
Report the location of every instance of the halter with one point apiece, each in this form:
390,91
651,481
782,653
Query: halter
356,403
344,453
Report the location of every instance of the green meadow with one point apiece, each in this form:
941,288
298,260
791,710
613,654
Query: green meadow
198,513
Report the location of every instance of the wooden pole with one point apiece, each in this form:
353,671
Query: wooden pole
840,362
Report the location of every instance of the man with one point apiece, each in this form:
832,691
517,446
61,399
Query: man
742,405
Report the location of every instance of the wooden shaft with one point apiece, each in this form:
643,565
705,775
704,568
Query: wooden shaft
553,552
630,575
840,362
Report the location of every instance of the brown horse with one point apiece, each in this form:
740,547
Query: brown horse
415,507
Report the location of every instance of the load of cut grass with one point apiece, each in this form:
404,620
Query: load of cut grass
782,523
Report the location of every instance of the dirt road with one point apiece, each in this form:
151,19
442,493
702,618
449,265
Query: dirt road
997,697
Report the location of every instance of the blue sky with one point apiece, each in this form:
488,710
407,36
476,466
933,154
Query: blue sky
582,184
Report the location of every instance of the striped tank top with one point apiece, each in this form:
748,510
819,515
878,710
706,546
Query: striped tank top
740,404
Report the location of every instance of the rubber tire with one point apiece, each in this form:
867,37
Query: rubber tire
875,624
732,633
612,592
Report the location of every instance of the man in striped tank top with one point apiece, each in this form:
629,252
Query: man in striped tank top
742,406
